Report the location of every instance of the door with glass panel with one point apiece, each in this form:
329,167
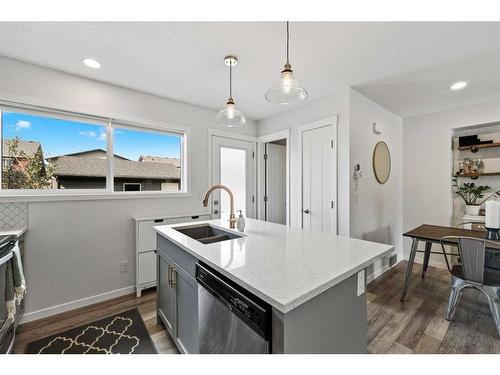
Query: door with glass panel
233,166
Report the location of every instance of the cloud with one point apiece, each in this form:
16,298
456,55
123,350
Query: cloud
22,124
102,136
88,133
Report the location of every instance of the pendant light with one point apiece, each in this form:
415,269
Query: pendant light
230,116
286,90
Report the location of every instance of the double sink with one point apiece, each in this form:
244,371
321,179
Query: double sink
206,233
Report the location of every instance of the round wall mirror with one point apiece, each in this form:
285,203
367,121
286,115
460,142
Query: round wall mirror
381,162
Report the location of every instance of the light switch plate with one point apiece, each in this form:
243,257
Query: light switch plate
361,282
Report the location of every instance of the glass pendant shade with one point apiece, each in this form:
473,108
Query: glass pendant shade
230,116
286,90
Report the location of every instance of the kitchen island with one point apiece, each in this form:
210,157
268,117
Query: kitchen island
314,282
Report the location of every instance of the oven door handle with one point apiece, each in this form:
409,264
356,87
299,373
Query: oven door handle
5,329
6,258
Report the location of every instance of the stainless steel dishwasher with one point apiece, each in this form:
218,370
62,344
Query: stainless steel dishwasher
231,320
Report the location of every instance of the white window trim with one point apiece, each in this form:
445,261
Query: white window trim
35,195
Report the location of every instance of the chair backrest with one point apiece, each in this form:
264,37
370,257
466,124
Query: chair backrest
471,251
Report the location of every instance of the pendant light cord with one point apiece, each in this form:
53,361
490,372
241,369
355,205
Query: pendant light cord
287,41
230,79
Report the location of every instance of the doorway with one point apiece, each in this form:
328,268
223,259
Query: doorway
233,166
319,176
275,206
273,165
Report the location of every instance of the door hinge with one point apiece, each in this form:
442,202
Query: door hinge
265,198
265,156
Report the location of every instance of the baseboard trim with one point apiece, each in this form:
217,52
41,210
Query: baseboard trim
379,272
72,305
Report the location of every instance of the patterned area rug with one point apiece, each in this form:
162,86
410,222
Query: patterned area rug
123,333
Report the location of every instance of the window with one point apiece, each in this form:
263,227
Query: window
131,187
151,159
47,152
233,173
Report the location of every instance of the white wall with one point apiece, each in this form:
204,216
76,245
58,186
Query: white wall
427,163
376,209
74,247
334,104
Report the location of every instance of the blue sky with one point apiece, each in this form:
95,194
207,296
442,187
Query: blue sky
59,137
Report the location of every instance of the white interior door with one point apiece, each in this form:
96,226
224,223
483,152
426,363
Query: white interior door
233,166
275,194
319,180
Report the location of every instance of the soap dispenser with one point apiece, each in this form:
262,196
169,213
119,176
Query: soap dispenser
240,224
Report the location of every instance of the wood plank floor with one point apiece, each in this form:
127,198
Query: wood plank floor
418,325
415,326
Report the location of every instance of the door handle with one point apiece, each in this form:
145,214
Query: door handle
306,211
168,275
174,277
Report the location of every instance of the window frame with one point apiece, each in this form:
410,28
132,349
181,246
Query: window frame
109,124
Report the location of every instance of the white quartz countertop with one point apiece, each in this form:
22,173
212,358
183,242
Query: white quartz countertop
284,266
16,232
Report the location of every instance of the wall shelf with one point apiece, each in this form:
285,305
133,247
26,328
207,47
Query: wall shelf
475,176
474,148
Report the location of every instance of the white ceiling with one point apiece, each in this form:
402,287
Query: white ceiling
427,90
406,67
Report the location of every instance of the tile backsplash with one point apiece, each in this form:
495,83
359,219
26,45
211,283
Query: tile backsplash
13,215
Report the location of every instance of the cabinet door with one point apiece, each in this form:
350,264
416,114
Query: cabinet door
146,240
147,268
166,293
186,333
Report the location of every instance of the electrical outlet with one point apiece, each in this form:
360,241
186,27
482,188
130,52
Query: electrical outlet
361,282
124,266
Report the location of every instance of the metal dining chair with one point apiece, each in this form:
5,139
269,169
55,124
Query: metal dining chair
471,273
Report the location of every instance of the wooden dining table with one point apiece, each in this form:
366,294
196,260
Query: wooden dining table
432,234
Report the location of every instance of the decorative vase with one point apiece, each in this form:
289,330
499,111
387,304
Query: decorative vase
472,210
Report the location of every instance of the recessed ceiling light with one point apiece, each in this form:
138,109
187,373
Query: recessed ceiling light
91,63
458,85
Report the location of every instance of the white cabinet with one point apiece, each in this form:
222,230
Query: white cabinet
145,246
146,235
146,268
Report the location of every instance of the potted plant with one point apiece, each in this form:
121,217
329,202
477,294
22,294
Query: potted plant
471,193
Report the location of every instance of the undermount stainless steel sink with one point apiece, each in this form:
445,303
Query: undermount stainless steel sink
205,233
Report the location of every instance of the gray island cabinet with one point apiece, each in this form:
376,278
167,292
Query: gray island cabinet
177,295
314,283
